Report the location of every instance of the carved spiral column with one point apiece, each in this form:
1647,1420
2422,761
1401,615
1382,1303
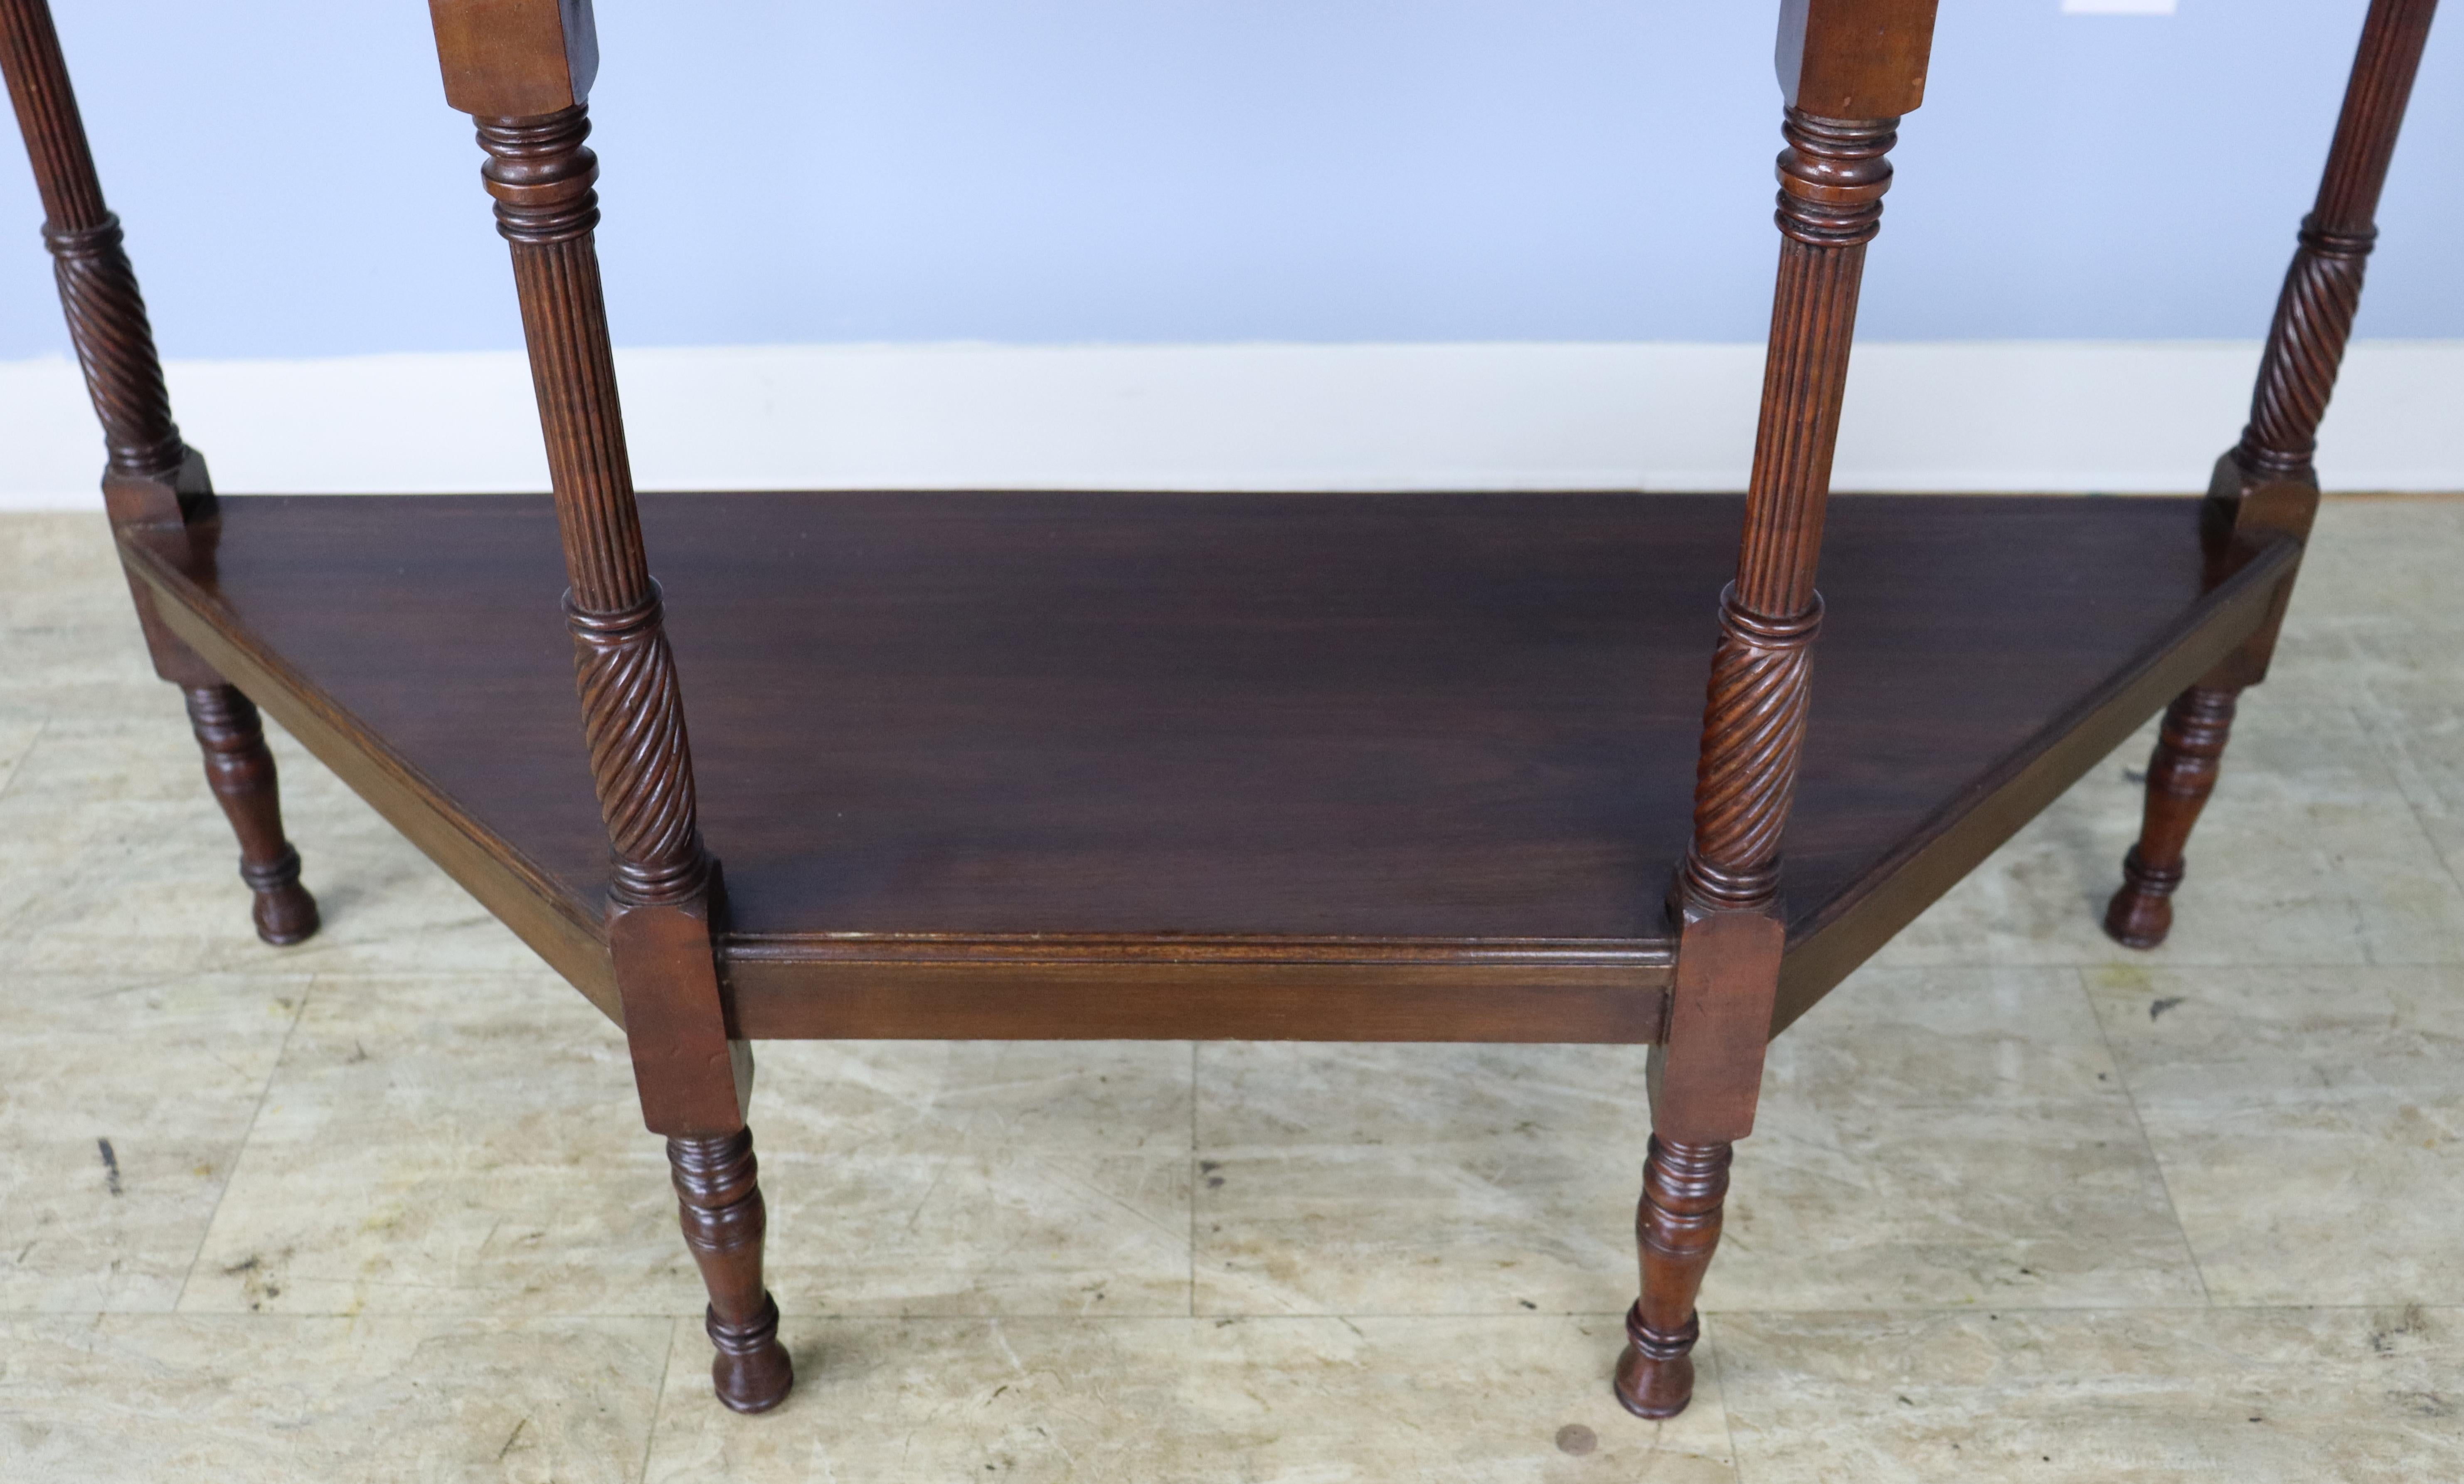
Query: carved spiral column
1831,179
2266,485
634,717
151,481
693,1080
1707,1075
1754,730
719,1200
115,345
106,314
542,176
2305,347
2323,289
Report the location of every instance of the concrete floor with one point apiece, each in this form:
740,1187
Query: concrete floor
2023,1205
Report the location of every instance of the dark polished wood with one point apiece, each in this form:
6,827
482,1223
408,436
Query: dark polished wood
2266,485
240,771
1403,767
1070,765
1929,862
522,69
1677,1228
153,479
1848,70
1854,59
660,903
2180,778
718,1197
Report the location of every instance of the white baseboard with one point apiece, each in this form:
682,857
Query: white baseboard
2033,415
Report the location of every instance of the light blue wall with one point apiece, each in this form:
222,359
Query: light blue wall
1179,170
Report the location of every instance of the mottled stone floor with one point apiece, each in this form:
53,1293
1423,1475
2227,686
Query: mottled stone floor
2023,1206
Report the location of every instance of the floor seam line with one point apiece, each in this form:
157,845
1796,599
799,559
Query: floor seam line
17,769
658,1404
1195,1178
264,1095
1727,1406
2366,723
2137,1120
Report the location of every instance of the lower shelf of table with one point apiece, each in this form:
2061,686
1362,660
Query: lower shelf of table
1294,766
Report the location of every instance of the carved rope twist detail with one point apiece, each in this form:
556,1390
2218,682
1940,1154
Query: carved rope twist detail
1754,730
1833,176
2314,315
640,761
106,314
542,176
2314,320
115,345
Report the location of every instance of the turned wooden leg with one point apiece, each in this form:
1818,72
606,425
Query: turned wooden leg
2267,485
721,1203
241,772
1677,1227
2180,775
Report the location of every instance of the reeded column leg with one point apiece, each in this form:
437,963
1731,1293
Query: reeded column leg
523,72
721,1200
1677,1227
2190,753
241,773
1848,70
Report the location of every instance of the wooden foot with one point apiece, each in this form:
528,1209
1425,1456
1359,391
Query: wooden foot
1677,1226
241,773
2180,776
721,1199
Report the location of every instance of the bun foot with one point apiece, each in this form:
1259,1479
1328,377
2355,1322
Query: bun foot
2137,921
751,1370
284,913
1654,1376
2142,912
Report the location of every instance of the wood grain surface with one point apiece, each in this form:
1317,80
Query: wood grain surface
1159,731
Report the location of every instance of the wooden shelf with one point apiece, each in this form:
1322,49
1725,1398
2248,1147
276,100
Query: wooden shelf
1038,764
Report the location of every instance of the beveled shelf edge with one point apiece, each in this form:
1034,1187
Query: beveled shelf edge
1140,997
1853,926
1196,987
1168,948
558,928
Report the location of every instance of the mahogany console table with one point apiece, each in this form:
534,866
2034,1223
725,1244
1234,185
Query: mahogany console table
1334,767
